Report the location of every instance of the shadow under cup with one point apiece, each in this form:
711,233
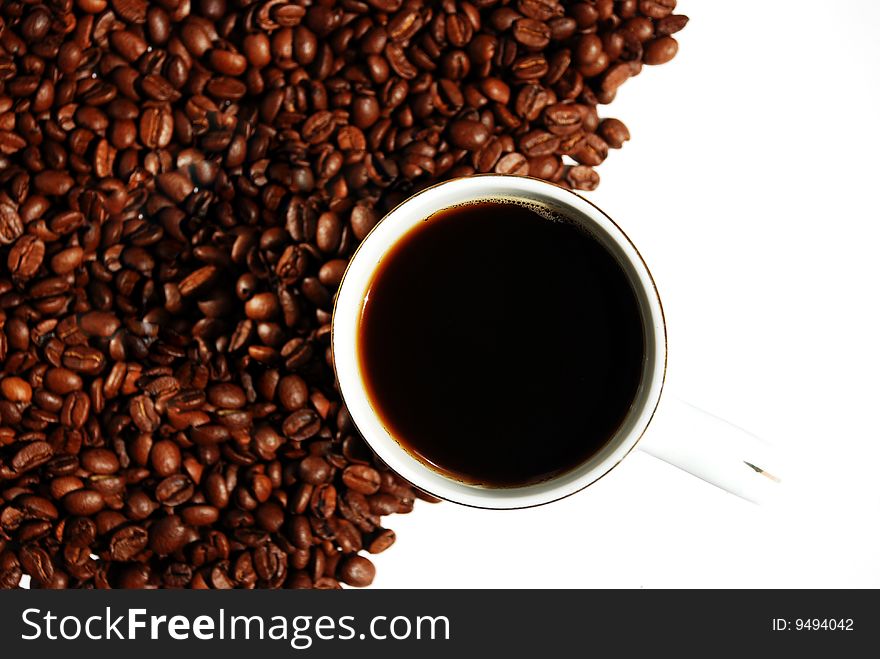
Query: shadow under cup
402,223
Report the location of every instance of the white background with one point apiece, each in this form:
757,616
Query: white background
750,187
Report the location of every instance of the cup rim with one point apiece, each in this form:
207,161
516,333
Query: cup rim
431,481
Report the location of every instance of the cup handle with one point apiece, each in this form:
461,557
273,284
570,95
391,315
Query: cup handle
714,450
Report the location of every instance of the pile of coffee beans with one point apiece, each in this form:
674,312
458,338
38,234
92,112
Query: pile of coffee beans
181,183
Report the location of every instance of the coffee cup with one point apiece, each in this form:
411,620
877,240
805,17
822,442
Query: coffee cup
703,445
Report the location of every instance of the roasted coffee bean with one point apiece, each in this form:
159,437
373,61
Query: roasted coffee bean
80,531
657,8
670,25
293,392
512,163
67,260
319,127
365,111
139,506
582,177
531,33
207,434
330,274
167,535
381,540
614,132
660,51
468,134
36,562
99,461
314,470
486,158
589,50
11,226
26,256
30,456
175,185
174,490
562,118
98,323
198,280
384,504
546,167
257,49
262,306
127,542
16,390
323,501
357,571
531,101
328,232
75,410
269,516
156,128
200,515
227,395
216,490
591,150
538,143
227,62
46,400
143,413
362,478
83,359
36,507
165,457
615,76
53,182
62,380
83,502
363,219
302,425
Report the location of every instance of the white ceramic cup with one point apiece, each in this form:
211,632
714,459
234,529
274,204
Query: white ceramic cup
701,444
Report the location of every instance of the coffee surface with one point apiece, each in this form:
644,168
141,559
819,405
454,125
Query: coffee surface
500,346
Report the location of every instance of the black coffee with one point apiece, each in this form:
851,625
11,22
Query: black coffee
500,346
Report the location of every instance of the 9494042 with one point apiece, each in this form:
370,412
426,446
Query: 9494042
813,624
